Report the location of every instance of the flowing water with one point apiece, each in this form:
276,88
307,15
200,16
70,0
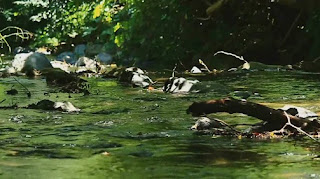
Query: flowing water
124,132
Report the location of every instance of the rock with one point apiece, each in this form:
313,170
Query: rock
135,69
36,61
19,49
68,57
136,77
204,123
299,112
87,64
80,50
180,85
50,105
61,65
93,49
19,61
27,62
195,69
67,82
104,58
310,66
257,66
66,106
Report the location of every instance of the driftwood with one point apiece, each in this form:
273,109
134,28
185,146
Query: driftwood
274,119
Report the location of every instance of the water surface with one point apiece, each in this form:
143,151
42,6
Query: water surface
125,132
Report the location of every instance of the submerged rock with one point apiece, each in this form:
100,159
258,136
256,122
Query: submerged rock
50,105
204,123
310,66
67,82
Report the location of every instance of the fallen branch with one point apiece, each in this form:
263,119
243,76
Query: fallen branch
293,126
274,118
245,65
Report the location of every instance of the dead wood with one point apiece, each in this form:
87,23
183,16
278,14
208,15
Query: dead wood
275,118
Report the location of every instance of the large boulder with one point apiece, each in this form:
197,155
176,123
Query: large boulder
27,62
19,61
36,61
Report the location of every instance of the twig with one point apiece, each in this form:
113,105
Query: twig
205,66
28,92
294,23
231,54
295,127
173,70
226,124
182,65
3,101
245,66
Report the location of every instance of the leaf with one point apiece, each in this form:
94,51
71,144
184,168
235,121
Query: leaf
107,32
116,27
98,10
88,31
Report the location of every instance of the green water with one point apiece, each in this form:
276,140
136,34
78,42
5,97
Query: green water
146,134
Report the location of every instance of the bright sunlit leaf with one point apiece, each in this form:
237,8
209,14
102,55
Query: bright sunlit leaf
98,10
116,27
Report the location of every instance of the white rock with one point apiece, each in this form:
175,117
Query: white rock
299,112
195,69
87,63
19,61
66,106
204,123
179,85
140,80
61,65
135,69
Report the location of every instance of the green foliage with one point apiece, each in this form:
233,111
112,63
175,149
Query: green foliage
170,31
12,31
